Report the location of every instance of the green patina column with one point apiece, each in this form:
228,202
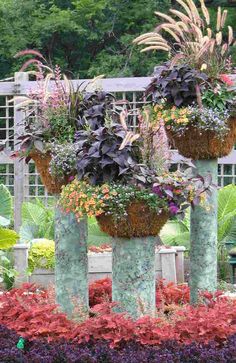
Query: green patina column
203,253
133,275
71,262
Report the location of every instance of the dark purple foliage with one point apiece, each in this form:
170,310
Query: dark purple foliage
173,208
100,158
100,352
175,84
93,109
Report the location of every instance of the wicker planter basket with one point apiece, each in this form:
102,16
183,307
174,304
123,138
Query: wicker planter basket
141,221
196,144
42,161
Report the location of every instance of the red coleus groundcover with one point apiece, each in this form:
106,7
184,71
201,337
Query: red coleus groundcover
33,315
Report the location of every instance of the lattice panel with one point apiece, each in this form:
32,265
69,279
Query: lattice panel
134,100
7,176
226,174
33,187
7,120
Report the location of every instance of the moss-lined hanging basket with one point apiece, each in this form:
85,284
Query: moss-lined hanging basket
42,163
197,144
140,221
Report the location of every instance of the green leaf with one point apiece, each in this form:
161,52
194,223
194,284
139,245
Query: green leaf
175,233
95,236
47,230
5,206
7,238
28,232
226,210
226,200
4,222
33,213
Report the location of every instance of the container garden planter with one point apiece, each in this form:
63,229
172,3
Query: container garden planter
199,144
133,217
133,256
42,163
50,123
52,116
140,221
194,95
123,181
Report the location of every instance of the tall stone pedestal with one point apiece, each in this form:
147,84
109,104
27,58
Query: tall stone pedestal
203,253
71,262
133,275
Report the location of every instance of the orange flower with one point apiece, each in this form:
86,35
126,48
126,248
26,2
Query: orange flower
105,190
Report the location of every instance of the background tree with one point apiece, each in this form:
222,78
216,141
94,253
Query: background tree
86,37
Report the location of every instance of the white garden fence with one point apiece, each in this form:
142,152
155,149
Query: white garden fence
23,180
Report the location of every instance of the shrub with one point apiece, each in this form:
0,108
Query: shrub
31,313
171,294
166,294
42,255
100,291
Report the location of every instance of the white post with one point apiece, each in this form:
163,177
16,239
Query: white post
19,166
179,262
21,263
168,266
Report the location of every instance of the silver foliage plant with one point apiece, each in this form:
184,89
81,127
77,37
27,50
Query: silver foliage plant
63,161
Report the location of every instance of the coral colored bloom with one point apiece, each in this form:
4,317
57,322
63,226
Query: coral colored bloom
226,79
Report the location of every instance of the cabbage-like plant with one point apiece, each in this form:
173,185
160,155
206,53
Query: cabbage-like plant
187,34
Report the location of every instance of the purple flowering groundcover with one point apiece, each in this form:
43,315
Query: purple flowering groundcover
100,352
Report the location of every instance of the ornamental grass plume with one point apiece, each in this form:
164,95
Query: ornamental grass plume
188,36
155,146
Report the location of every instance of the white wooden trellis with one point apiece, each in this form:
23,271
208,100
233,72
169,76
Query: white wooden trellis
23,180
